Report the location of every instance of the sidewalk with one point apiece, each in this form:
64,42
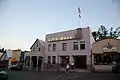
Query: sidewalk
103,68
75,70
60,70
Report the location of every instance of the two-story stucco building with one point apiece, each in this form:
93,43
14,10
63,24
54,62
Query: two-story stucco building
69,46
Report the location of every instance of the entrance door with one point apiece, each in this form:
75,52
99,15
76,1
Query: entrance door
80,62
34,61
64,61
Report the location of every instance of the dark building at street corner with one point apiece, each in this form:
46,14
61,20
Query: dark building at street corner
104,52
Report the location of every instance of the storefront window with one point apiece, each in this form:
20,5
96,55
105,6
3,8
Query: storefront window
104,59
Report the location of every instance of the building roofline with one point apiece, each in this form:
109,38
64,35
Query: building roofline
104,39
65,31
17,50
34,43
26,51
40,41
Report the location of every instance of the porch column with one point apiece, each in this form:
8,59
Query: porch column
42,65
71,59
37,62
58,62
92,60
30,64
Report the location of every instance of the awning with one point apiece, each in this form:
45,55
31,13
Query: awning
13,61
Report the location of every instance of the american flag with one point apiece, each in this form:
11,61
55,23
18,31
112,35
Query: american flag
79,12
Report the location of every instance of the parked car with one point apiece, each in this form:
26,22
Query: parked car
116,65
14,67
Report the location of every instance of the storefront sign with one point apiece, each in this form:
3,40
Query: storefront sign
77,35
60,38
109,48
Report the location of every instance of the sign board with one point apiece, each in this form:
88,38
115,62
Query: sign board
60,38
77,35
109,48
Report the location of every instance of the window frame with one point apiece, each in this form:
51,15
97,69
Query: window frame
54,47
39,49
81,46
75,46
64,46
37,44
49,47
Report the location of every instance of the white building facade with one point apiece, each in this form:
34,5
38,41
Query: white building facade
37,52
27,55
9,54
69,46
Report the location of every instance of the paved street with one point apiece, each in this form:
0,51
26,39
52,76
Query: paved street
29,75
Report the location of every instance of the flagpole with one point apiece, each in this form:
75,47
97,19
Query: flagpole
79,22
79,16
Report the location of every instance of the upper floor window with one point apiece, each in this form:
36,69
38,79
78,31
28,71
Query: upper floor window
64,45
49,46
54,47
33,49
75,46
82,46
37,44
39,49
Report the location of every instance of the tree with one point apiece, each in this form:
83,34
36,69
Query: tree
114,34
95,35
2,51
103,33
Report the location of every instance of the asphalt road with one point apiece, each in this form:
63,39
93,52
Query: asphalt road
29,75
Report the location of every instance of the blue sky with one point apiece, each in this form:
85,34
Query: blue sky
22,21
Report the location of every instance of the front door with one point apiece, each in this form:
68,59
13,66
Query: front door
80,62
64,61
34,61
